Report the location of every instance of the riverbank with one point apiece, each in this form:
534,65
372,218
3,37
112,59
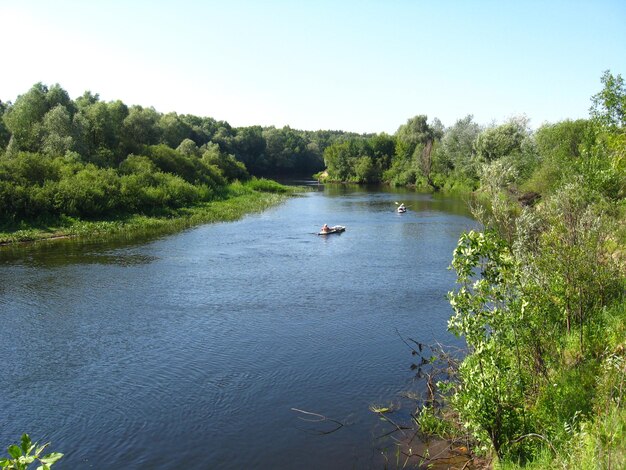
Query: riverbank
239,200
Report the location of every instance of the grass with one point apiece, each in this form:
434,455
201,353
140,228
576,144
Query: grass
240,199
597,440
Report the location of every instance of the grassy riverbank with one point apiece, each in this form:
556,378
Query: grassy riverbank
238,200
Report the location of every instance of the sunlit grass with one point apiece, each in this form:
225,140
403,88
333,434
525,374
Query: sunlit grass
238,200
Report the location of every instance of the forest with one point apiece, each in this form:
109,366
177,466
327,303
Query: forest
92,159
540,298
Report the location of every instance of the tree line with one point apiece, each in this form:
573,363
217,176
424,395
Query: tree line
90,158
432,157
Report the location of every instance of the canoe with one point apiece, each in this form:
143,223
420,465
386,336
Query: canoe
335,229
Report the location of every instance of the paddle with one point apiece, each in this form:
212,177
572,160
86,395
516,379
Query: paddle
397,204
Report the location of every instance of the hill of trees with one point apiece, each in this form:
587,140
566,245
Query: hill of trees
88,158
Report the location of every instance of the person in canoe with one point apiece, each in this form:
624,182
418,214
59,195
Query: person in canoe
325,228
402,208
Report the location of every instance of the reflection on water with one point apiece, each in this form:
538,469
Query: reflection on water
195,347
59,252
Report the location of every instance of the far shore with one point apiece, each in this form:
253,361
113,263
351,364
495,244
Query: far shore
225,210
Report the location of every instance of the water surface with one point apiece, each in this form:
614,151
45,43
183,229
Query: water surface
190,350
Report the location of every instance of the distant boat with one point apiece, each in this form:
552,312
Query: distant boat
335,229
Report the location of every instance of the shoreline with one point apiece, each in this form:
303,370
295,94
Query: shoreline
226,210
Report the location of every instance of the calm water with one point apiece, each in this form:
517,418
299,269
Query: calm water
190,351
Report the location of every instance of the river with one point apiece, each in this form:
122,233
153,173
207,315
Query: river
192,350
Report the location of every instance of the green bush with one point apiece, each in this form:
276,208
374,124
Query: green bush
265,185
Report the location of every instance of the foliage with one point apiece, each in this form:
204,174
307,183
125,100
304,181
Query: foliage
237,200
265,185
45,120
228,165
89,159
501,141
609,105
454,159
23,455
488,313
402,159
559,146
541,296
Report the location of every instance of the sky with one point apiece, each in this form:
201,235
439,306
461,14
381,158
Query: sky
361,66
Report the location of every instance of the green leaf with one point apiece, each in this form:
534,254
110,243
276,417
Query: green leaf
26,443
41,448
14,451
51,458
5,463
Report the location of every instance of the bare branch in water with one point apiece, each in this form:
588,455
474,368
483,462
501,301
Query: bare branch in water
399,428
319,420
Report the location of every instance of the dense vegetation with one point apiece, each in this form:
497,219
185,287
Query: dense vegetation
541,299
62,158
430,156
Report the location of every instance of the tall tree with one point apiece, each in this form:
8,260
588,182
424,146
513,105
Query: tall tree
415,141
173,130
57,131
609,105
23,119
506,139
140,129
249,148
457,147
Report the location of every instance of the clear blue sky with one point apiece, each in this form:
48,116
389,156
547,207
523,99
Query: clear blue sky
364,66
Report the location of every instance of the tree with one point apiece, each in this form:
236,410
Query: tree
57,131
415,141
457,147
188,148
23,119
575,271
58,96
249,147
337,160
173,130
87,99
118,112
365,171
224,136
231,168
100,126
605,158
609,105
140,128
416,131
559,148
500,141
489,314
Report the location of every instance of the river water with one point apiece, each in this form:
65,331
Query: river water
193,350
